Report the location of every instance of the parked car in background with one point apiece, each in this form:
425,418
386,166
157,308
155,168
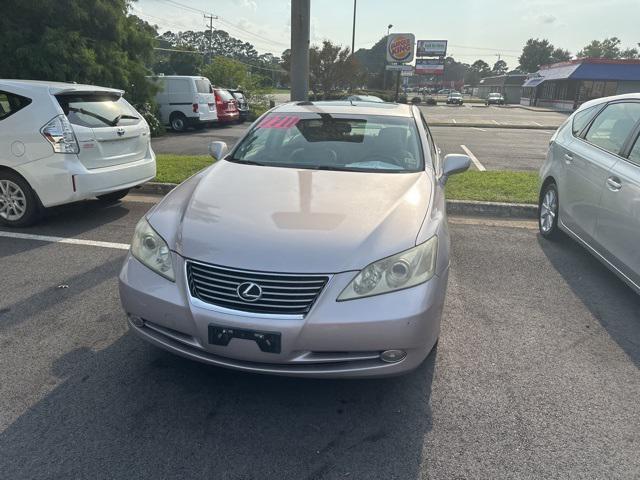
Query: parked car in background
331,260
444,91
365,98
185,101
591,183
226,106
243,105
495,99
455,98
62,142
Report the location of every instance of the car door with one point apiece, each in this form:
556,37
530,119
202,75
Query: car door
588,160
618,228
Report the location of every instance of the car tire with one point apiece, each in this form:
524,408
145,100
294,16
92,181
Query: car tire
113,197
25,209
178,122
548,208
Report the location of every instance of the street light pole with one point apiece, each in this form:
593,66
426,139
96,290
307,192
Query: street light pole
384,72
300,26
353,34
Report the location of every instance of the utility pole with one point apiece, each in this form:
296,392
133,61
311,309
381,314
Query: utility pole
211,18
300,26
353,34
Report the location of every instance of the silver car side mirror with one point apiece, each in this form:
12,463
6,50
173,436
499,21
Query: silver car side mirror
218,150
455,163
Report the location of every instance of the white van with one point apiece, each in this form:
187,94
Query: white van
63,142
185,101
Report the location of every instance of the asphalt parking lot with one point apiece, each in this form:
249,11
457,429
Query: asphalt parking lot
536,375
495,148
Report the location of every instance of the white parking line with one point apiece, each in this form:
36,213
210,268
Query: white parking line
539,124
478,128
72,241
497,123
454,120
473,158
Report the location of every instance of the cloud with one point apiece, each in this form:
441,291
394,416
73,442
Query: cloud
546,19
252,4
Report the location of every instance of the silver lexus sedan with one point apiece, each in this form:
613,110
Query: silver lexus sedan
591,183
317,247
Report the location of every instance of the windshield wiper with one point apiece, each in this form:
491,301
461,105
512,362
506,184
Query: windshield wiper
246,162
116,120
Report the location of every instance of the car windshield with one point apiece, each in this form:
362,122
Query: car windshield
456,94
224,95
98,111
494,95
333,142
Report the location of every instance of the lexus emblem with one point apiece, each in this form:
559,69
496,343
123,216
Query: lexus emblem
120,131
249,291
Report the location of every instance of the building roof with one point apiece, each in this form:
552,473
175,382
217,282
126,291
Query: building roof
591,69
501,80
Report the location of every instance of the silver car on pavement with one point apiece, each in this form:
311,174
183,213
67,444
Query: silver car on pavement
591,183
317,247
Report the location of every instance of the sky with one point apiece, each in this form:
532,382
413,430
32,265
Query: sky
474,28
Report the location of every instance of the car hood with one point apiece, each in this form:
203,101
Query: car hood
293,220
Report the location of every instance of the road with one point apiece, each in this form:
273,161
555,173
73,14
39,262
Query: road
536,375
498,115
495,148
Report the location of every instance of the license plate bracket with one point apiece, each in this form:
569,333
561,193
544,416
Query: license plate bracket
269,342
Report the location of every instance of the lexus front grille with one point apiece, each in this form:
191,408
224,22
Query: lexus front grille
255,292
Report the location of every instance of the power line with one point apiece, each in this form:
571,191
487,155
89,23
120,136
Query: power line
224,56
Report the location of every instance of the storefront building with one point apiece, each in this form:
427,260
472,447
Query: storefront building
567,85
508,85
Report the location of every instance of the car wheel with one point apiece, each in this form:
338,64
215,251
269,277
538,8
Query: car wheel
178,122
19,205
113,196
548,208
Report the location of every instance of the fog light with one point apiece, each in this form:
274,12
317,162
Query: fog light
393,356
137,321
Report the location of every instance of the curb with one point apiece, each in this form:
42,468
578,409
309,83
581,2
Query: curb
492,209
493,125
456,207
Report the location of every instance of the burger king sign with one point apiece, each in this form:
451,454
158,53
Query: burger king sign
400,47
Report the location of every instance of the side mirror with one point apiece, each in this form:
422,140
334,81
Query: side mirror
218,150
455,163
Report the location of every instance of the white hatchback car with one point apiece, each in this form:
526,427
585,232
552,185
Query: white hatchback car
61,142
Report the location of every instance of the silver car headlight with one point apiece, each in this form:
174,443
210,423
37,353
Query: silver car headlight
403,270
151,250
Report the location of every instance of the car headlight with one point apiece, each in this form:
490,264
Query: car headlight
403,270
151,250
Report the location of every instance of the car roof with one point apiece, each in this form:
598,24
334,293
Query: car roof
343,107
57,87
597,101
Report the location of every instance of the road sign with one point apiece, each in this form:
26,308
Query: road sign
431,48
400,47
430,66
400,68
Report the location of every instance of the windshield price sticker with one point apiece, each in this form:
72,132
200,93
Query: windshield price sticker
278,121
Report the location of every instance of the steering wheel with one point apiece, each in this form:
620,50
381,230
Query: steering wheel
332,156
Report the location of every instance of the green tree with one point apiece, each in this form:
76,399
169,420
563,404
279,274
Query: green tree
607,48
332,67
80,41
499,68
538,52
225,72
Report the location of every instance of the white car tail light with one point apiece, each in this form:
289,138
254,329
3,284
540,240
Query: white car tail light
60,135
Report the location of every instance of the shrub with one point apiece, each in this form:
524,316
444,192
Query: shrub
149,113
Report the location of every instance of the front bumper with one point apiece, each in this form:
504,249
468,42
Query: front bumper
335,339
